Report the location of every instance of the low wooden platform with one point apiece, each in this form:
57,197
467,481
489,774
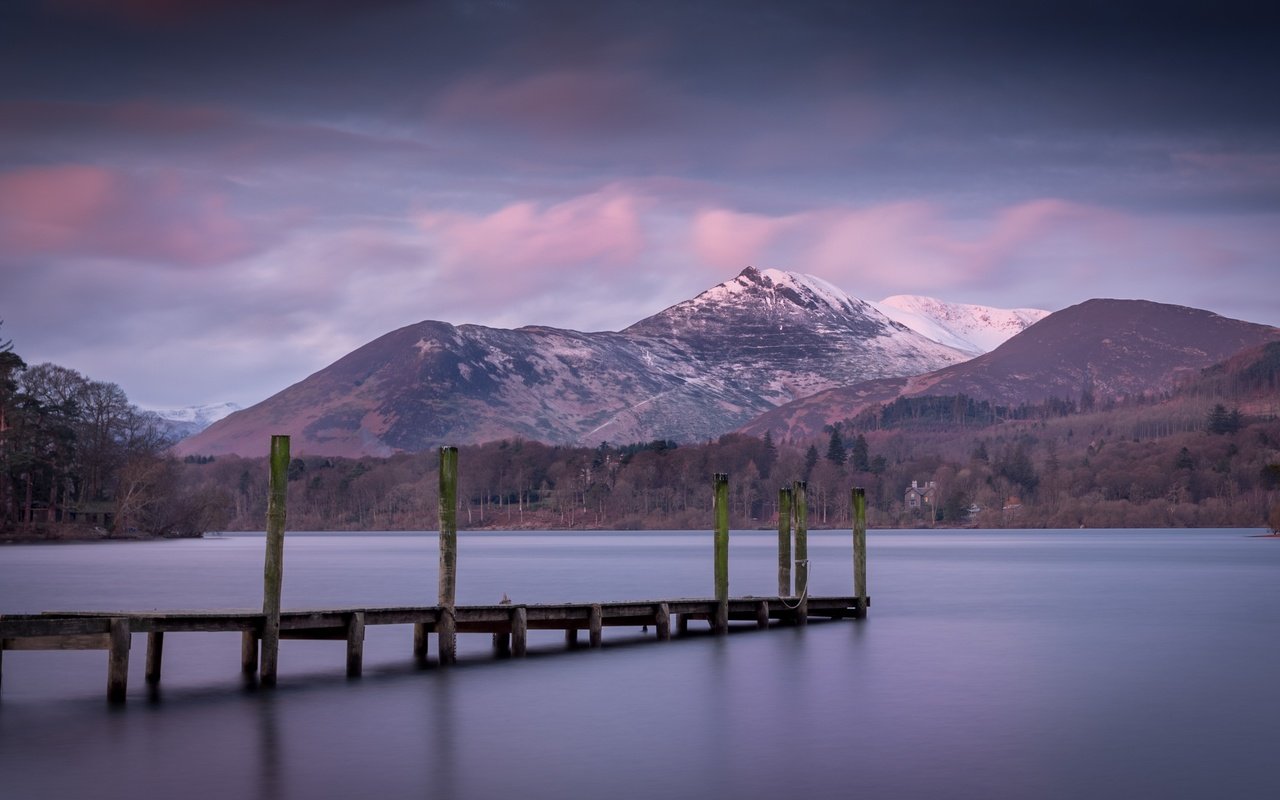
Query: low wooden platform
508,624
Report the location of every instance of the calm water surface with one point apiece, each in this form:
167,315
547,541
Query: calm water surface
1073,664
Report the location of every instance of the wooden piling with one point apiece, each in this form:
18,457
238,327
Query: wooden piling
273,572
784,541
155,654
249,652
860,551
762,614
420,641
663,622
448,517
721,511
519,631
571,637
447,633
595,622
355,644
118,661
800,511
682,624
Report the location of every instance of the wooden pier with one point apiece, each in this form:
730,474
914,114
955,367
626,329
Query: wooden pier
508,624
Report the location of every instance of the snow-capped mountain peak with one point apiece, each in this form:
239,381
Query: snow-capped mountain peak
971,328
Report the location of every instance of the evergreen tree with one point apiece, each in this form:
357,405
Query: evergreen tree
810,460
860,454
835,448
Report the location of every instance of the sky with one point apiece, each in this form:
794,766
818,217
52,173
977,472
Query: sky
208,200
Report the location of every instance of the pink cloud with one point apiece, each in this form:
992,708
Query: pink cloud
85,210
906,246
599,229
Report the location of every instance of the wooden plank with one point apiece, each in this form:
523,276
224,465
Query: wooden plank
355,645
334,634
118,661
84,641
155,654
39,625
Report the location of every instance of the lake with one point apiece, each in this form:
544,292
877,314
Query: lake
994,664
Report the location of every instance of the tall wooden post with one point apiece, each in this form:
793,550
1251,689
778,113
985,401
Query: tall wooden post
448,516
273,572
860,551
721,510
800,509
784,542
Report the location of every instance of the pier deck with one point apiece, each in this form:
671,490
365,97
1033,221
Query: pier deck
508,623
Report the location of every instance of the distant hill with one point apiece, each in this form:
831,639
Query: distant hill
691,372
1091,351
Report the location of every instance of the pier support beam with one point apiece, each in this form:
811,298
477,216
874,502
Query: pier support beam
118,661
720,506
355,644
249,652
420,641
571,637
800,509
860,551
682,624
447,513
273,571
155,654
663,622
519,631
595,623
762,614
447,634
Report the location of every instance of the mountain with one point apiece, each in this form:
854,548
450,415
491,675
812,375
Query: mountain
691,372
1099,348
969,328
180,423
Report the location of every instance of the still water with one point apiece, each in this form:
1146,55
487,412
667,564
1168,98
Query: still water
1011,664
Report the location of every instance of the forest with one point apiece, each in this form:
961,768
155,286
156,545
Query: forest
1207,454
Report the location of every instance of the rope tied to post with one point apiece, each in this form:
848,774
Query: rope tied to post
804,592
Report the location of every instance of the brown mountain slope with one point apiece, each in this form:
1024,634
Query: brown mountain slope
1107,348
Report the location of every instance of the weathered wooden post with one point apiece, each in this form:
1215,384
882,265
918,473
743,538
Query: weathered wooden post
784,542
448,516
860,551
721,511
355,644
118,660
800,509
273,572
155,655
662,622
519,631
595,625
249,652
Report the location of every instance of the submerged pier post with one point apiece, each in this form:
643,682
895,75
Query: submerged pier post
355,644
155,655
800,509
249,652
519,631
662,622
448,516
784,541
273,572
118,660
721,510
595,624
860,551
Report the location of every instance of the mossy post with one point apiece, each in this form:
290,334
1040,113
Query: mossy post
273,572
800,511
860,551
784,541
721,511
448,515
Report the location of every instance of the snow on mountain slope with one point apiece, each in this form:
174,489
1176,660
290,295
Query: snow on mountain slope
689,373
973,329
183,422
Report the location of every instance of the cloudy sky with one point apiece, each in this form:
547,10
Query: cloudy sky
207,200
